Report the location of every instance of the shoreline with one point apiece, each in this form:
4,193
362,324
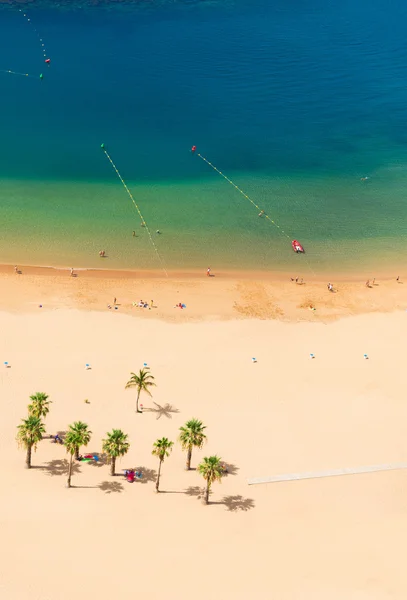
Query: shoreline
195,273
226,295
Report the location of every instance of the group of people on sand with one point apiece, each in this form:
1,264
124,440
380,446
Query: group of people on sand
143,304
301,281
130,474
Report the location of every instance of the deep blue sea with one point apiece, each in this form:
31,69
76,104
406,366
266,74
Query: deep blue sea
295,101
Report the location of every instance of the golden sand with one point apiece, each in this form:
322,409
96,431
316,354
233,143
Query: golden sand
331,538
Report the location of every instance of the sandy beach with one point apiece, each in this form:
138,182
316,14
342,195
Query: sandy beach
340,537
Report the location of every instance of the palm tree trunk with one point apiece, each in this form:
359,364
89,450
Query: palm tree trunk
77,452
113,466
28,457
138,397
189,456
157,483
68,483
208,487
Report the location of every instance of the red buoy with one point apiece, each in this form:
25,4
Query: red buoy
193,148
47,60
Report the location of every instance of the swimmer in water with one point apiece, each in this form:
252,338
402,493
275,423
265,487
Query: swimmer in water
364,178
158,231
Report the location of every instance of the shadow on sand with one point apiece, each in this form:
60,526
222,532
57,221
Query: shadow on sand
229,469
148,475
232,503
161,411
111,487
59,466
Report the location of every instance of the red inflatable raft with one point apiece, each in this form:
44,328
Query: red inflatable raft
297,246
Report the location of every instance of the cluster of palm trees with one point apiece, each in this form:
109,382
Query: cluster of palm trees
115,445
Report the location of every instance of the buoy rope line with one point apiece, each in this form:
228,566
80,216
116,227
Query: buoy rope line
47,60
17,73
27,18
143,221
266,216
243,194
232,183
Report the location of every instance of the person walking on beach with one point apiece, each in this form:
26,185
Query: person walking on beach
368,283
72,272
16,269
114,301
398,278
134,234
208,272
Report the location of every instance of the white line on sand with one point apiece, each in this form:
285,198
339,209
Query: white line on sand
334,473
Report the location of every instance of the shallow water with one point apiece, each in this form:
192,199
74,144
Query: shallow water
294,105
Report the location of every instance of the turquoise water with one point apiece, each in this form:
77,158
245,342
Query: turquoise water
294,103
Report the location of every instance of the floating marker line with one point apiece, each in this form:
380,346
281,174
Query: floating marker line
266,216
143,222
243,194
44,52
17,73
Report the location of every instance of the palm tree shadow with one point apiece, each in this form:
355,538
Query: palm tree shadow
232,503
165,410
195,491
111,487
229,469
237,503
60,466
147,475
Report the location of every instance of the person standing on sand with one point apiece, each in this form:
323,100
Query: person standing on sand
208,272
114,301
134,234
71,272
16,269
368,283
398,278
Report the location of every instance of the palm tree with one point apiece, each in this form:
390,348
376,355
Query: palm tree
29,434
77,435
81,429
211,470
192,435
71,442
115,445
39,406
142,382
161,448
